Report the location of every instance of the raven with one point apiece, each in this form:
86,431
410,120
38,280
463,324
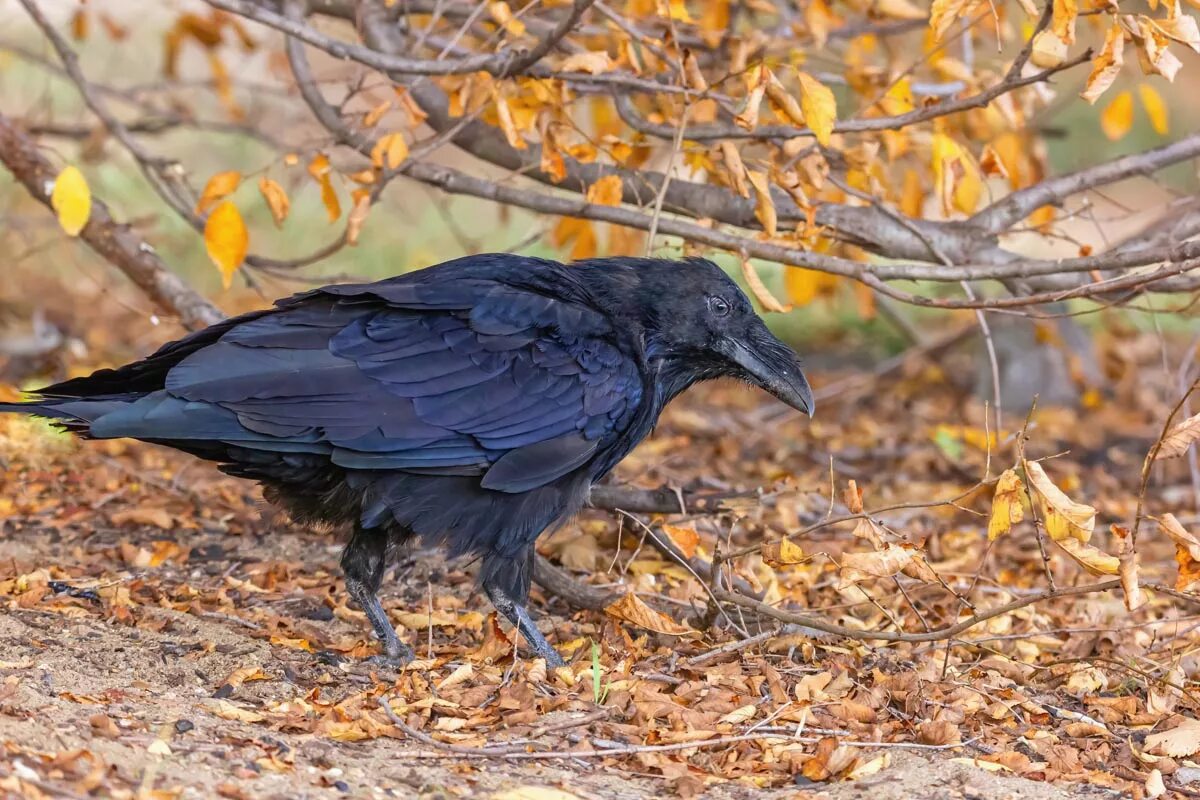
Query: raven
471,404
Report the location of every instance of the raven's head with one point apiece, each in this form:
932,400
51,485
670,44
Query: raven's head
701,325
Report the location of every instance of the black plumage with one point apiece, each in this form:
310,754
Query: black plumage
471,404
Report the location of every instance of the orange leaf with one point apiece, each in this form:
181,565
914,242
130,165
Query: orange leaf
606,191
1107,65
389,152
219,187
277,199
764,207
358,215
226,239
320,169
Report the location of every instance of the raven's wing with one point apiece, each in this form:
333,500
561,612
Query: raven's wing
463,377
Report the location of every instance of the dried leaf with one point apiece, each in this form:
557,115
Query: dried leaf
502,14
276,198
1062,517
227,710
943,14
71,200
1049,50
219,187
593,63
227,240
1117,117
1179,438
1181,741
606,191
884,563
820,107
534,793
782,553
759,289
630,608
1107,65
1187,551
748,117
390,151
1006,504
764,207
734,167
686,539
739,715
1089,557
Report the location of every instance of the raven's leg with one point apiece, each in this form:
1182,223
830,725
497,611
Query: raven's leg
506,582
363,562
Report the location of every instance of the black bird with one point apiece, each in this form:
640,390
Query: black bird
470,404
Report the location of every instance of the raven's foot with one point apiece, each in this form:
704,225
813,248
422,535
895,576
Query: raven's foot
519,617
395,658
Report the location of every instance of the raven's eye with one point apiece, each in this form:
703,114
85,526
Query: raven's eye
718,306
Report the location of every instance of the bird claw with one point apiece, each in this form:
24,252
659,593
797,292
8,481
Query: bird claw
394,658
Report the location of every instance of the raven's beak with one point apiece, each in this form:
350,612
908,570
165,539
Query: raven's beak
771,365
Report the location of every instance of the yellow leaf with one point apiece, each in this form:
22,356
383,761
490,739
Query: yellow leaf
227,710
1063,20
1049,50
226,239
943,14
805,285
957,178
764,207
503,15
759,289
819,106
219,187
1117,118
735,167
1107,65
507,124
606,191
1062,517
71,200
593,63
630,608
1089,557
782,553
390,151
1155,107
748,117
1006,505
577,231
276,198
784,102
320,170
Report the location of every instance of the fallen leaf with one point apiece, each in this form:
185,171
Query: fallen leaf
1181,741
630,608
534,793
227,710
71,200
